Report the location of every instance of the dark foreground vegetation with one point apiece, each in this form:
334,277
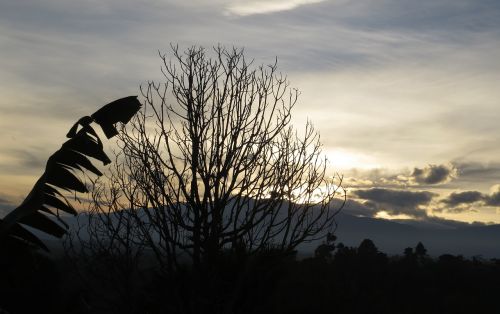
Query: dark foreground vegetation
343,280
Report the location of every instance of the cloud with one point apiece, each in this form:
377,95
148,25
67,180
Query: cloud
393,191
357,208
359,178
434,174
30,159
401,178
371,209
23,161
396,202
351,182
459,198
458,202
481,175
493,199
268,6
401,198
435,222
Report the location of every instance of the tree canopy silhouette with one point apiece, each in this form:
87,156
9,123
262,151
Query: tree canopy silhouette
212,163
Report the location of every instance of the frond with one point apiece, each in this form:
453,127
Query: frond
45,200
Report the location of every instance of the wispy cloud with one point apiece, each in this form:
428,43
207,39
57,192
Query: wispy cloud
266,6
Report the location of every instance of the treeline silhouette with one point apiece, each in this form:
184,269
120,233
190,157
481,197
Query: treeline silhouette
337,279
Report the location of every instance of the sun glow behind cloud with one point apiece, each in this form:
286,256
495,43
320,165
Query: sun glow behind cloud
342,159
384,215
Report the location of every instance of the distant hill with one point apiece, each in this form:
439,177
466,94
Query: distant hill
393,237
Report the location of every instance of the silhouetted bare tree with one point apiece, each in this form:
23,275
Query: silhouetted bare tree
213,164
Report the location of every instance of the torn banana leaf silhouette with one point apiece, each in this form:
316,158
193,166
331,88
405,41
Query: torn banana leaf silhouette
45,199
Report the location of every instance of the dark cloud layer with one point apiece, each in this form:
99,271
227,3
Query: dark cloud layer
396,202
400,198
383,178
458,202
356,208
419,216
459,198
434,174
395,193
494,198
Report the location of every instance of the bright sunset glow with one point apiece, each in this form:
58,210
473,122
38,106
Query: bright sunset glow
343,159
384,215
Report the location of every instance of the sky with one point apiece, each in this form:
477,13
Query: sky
404,93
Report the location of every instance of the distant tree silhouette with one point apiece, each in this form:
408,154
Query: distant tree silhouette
408,252
420,250
325,249
368,255
344,253
421,253
367,248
